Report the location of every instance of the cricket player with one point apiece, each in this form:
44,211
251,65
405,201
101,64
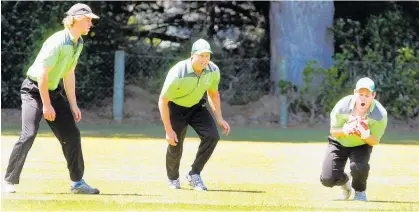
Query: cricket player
357,123
42,97
181,103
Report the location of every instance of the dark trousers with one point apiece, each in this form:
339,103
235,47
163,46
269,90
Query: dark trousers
335,161
202,122
64,128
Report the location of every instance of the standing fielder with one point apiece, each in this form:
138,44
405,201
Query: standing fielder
42,97
357,123
181,103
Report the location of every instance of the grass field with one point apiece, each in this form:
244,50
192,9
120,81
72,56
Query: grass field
279,172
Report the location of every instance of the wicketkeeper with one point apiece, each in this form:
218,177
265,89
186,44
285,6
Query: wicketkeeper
357,123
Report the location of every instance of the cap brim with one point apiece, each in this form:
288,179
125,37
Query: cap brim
368,88
202,51
91,15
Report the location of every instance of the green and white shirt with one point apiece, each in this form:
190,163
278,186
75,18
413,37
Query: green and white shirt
377,120
183,87
60,53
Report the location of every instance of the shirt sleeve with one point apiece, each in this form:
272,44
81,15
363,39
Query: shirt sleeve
379,128
74,63
215,82
76,59
335,121
48,55
171,84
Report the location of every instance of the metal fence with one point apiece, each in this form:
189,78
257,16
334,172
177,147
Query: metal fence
244,87
242,80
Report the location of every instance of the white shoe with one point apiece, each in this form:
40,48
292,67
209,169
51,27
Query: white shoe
9,187
346,189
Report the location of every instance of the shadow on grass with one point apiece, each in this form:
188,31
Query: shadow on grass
107,194
236,134
240,191
392,202
228,191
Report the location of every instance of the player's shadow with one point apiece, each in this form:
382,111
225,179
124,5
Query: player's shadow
390,201
229,190
239,191
112,194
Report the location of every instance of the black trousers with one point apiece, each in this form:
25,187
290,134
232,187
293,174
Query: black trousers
202,122
64,128
335,161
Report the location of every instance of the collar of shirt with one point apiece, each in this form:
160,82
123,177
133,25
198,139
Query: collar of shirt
68,33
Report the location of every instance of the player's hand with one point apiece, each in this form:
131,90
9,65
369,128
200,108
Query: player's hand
76,113
49,112
171,137
349,129
363,129
226,127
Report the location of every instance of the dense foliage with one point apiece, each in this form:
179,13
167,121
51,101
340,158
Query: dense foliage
385,48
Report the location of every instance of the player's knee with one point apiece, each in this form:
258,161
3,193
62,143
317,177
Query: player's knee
214,137
359,167
328,181
27,138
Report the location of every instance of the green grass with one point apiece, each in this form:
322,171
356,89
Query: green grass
128,167
237,133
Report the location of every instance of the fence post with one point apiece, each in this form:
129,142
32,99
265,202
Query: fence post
283,98
118,86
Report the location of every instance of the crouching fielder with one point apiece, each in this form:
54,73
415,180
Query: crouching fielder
357,123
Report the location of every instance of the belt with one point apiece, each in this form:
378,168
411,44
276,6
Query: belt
33,79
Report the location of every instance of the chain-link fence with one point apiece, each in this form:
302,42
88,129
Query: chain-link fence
94,74
242,80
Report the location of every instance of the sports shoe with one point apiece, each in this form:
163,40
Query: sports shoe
360,196
346,189
174,184
9,187
196,182
81,187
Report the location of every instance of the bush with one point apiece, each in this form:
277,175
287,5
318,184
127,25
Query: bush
384,49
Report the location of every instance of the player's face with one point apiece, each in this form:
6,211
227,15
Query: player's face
364,98
83,24
201,60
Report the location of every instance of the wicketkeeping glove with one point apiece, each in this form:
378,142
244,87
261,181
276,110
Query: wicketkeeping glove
363,129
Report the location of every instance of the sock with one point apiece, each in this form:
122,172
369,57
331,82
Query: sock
192,173
75,183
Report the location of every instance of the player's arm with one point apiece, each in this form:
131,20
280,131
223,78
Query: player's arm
47,58
167,94
164,112
371,140
376,132
337,132
336,128
43,87
70,90
215,103
214,98
70,87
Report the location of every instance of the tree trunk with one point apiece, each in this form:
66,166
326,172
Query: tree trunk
299,33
